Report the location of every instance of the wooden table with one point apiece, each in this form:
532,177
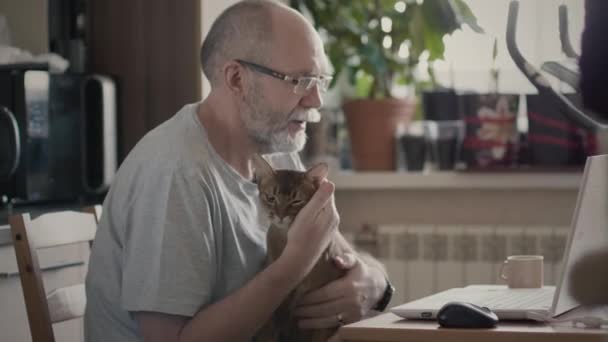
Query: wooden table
391,328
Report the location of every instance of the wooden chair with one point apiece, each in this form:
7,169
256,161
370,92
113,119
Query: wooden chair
46,231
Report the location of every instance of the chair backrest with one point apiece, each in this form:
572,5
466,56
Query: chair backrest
49,230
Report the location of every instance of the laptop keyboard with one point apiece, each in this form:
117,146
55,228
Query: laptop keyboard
519,300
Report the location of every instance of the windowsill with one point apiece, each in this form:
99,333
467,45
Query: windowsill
384,180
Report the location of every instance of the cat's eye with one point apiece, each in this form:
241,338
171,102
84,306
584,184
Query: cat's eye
297,202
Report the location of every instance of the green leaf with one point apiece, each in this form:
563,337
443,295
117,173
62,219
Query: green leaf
363,84
433,41
440,15
417,32
465,15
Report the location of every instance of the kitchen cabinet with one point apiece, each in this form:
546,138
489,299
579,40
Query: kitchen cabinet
151,48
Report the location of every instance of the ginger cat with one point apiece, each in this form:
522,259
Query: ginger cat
282,194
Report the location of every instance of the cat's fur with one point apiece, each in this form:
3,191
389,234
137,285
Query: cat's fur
282,194
589,278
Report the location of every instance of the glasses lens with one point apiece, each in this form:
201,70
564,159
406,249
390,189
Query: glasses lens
324,83
304,84
307,83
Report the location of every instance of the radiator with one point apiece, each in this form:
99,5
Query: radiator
424,259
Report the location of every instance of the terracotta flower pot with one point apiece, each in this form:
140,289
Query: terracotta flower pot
371,126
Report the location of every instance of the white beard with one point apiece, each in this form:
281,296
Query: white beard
272,139
285,142
268,127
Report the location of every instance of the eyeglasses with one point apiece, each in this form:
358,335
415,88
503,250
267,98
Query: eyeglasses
302,84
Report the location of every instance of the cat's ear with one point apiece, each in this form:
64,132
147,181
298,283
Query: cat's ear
317,172
262,168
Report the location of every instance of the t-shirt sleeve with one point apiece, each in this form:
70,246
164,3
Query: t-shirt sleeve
169,261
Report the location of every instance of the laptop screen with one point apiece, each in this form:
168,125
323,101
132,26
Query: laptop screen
589,231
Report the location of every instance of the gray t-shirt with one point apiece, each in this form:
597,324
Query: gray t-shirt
180,230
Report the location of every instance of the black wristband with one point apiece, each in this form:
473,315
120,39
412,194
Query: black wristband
386,297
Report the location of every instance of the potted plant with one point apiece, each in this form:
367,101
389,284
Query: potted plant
376,45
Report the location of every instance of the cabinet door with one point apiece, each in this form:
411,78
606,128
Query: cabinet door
61,266
152,49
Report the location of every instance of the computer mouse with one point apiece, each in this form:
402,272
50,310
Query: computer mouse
466,315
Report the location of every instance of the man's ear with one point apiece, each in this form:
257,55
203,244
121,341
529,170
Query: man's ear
262,168
317,172
234,77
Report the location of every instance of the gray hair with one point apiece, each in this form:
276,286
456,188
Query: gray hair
243,30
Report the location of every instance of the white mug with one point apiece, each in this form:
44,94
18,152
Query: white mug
523,271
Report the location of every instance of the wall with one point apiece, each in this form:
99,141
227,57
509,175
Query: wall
504,207
28,23
469,55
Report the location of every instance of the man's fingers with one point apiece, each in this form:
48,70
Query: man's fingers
346,261
335,338
320,199
322,309
331,291
323,322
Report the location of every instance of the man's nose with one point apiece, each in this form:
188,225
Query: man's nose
313,98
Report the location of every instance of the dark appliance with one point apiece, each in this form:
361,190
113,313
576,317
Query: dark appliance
65,138
9,143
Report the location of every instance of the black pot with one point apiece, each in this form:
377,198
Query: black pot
440,105
414,148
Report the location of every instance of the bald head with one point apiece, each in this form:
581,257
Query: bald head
244,30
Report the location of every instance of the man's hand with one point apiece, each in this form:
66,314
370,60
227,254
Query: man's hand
312,229
344,300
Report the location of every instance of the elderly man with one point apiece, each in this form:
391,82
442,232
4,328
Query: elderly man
179,254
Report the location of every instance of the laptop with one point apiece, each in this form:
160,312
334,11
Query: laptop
588,232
